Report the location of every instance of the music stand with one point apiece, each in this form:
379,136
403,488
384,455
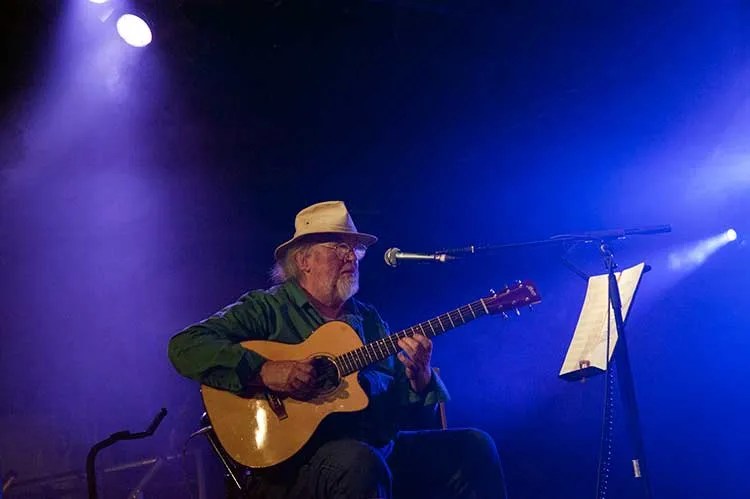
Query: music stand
620,354
598,338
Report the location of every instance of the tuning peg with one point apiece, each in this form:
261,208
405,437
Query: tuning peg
492,292
518,312
505,316
530,307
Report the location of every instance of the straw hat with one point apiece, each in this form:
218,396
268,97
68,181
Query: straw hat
328,217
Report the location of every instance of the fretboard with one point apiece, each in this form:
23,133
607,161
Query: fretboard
378,350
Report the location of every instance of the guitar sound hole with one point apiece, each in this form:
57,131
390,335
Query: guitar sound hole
328,375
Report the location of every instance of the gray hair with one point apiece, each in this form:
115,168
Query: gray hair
286,267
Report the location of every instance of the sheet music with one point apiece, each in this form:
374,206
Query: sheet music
586,353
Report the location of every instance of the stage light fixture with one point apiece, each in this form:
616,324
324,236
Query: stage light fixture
134,30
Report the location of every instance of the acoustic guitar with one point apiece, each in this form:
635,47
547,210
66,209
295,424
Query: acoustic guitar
264,429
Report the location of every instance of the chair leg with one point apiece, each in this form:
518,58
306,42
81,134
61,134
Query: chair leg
233,470
441,405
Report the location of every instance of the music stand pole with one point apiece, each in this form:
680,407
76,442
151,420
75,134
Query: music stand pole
625,375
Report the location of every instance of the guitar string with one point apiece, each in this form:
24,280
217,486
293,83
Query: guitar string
340,362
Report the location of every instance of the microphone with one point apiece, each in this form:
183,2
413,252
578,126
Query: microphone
393,255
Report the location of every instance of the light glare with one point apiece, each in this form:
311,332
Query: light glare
134,30
694,255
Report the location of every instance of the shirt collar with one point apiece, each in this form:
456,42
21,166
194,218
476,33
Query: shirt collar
296,293
299,298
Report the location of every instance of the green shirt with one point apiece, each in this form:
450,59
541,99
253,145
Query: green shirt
209,352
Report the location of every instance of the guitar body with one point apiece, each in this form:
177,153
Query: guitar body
256,435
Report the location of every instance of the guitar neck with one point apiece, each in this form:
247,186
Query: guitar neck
383,348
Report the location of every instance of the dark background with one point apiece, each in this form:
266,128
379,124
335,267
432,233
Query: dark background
143,189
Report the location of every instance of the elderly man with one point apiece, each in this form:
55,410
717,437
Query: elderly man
363,454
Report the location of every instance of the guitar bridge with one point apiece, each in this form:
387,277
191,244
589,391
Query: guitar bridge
277,405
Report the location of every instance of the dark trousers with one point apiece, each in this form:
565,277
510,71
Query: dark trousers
434,464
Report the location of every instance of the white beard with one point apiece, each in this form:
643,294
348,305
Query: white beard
347,286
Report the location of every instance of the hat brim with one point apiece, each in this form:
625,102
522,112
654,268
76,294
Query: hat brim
366,239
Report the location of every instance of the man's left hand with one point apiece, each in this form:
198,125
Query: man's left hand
415,357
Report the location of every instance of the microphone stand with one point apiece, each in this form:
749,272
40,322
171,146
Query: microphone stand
585,237
111,440
621,355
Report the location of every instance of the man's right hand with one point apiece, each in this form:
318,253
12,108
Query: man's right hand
294,378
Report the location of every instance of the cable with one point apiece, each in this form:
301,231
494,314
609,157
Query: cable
606,445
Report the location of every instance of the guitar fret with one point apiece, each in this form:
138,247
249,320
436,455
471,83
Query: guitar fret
449,318
381,354
481,300
429,323
365,355
377,344
471,309
441,323
337,363
386,347
343,363
394,345
360,358
422,328
461,315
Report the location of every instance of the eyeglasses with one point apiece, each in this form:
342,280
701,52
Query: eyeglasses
343,249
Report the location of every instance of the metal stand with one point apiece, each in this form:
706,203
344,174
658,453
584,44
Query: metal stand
625,375
7,481
111,440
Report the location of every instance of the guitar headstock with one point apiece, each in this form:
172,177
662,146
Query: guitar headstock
512,297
